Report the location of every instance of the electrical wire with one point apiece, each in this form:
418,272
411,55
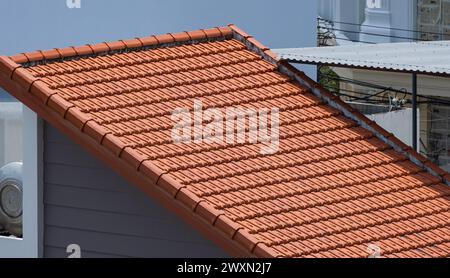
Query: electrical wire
437,142
377,35
355,41
428,99
332,22
341,29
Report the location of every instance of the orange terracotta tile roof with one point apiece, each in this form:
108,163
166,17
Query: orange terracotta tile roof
338,183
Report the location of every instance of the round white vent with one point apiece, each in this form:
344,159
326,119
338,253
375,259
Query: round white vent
11,198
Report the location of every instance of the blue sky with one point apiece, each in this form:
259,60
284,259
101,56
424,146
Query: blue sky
27,25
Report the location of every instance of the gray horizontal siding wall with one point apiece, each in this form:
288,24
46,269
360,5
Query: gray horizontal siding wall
86,203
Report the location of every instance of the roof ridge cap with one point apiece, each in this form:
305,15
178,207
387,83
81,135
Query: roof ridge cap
254,45
118,45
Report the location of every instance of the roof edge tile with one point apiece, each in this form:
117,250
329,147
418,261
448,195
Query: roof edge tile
207,211
225,31
114,144
170,185
239,31
24,78
77,118
131,156
262,251
246,239
212,33
41,90
59,105
96,131
188,198
8,66
150,170
227,226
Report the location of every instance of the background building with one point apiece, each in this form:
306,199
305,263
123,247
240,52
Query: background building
433,19
346,22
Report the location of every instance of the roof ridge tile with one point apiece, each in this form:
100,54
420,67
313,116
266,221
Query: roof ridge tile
196,35
165,38
180,37
133,43
20,58
51,54
83,50
100,47
34,56
116,45
67,52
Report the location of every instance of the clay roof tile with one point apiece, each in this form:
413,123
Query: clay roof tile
337,182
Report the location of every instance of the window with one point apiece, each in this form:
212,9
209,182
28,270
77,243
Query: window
20,186
434,20
438,148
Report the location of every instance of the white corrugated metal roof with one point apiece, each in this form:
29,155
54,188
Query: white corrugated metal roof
421,57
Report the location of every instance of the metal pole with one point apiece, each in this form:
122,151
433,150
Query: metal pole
414,112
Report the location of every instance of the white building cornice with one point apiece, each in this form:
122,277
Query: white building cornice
376,27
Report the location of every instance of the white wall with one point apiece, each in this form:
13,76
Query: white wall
10,132
398,14
31,244
399,123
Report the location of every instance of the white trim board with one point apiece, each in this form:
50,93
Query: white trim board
31,246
